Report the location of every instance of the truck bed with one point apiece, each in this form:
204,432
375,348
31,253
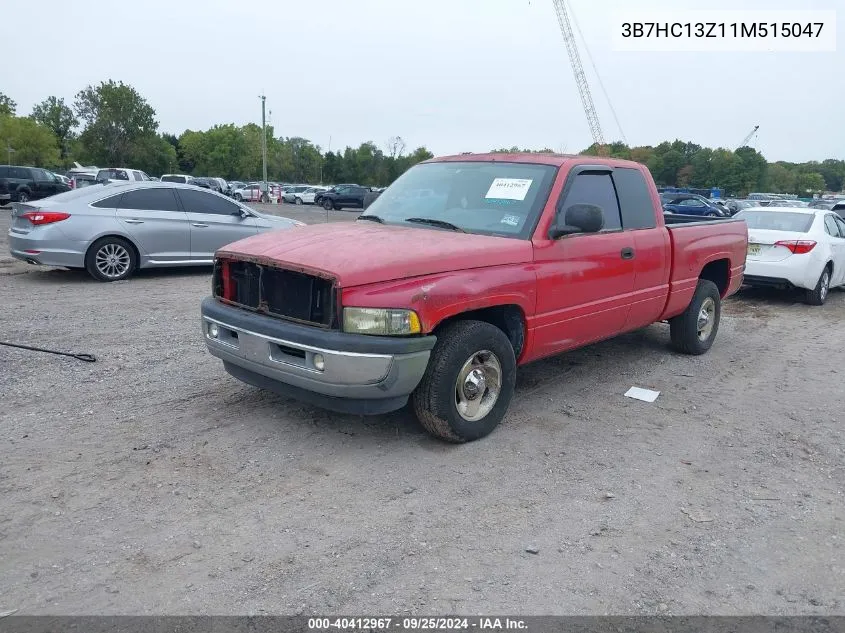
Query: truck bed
717,245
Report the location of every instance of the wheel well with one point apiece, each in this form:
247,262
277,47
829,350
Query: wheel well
719,273
120,237
508,318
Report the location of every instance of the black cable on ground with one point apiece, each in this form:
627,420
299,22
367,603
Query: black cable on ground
88,358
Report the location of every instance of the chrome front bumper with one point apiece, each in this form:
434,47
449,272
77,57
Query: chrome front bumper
328,368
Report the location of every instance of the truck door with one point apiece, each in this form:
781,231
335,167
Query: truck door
652,261
585,280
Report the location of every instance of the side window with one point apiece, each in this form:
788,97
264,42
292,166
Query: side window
158,199
21,173
690,202
5,171
41,175
634,199
595,189
201,202
830,226
840,223
136,175
112,202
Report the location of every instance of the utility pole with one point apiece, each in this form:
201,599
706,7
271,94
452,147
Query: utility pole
264,146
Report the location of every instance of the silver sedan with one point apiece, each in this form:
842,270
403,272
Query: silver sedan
113,230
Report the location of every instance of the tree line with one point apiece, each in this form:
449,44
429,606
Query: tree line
112,125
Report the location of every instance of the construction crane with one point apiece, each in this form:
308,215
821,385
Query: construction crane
580,77
748,138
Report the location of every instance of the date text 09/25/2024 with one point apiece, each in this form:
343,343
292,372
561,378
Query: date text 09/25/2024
416,624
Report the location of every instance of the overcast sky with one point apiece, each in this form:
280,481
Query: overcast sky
453,75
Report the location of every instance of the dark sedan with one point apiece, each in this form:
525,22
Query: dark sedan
691,204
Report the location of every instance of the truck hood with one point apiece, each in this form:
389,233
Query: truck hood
358,253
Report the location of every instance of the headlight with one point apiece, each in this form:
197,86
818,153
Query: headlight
382,321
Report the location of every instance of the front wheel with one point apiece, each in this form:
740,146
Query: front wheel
694,331
298,201
712,215
328,205
469,383
818,295
239,197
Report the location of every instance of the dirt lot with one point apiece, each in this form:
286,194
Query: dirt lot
152,482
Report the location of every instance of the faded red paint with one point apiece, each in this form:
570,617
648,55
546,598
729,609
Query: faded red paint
571,291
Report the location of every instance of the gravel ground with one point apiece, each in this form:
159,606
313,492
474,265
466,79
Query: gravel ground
151,482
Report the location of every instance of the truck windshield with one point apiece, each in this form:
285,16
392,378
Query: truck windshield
489,198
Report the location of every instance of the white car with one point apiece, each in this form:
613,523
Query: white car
307,196
292,192
121,174
795,248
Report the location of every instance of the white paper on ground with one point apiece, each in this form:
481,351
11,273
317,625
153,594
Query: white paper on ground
646,395
509,188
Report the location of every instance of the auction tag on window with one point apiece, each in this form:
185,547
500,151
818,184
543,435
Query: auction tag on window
509,188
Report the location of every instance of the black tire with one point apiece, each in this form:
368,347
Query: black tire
298,201
239,197
23,197
435,398
328,205
685,329
712,215
103,244
818,295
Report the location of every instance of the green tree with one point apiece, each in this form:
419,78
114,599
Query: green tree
116,118
32,143
780,178
58,117
808,183
7,106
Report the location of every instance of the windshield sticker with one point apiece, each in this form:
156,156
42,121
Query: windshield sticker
509,188
511,220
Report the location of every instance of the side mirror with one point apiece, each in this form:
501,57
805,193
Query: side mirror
579,218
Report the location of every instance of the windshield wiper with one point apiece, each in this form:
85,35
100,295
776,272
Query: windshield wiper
443,224
371,218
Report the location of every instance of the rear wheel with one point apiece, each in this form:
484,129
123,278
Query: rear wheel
298,201
239,197
818,295
111,259
694,331
469,383
712,215
23,197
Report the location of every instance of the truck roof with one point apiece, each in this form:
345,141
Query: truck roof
535,158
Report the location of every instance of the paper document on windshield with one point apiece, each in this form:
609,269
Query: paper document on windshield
509,188
646,395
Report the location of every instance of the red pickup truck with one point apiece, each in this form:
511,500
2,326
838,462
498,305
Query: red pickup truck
463,269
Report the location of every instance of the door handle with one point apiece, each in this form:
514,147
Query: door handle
199,225
627,253
134,221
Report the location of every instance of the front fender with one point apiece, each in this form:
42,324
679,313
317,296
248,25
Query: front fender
438,297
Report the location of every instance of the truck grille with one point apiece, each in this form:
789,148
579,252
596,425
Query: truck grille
286,294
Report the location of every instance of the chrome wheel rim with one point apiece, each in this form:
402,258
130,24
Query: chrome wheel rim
706,319
478,386
112,260
825,284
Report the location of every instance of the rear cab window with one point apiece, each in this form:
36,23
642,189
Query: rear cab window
635,199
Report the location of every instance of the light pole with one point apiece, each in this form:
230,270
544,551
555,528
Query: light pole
9,151
264,146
